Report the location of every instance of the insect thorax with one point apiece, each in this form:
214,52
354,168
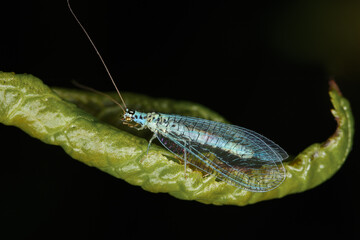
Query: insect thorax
149,120
154,121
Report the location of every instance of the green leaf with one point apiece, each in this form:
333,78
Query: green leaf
82,123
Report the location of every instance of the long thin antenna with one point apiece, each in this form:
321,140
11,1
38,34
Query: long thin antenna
98,53
98,92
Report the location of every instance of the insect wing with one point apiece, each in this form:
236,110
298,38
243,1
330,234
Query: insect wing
260,171
264,148
179,147
256,138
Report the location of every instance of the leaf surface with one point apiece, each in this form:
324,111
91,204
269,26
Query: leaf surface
83,124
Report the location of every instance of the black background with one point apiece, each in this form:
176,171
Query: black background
264,65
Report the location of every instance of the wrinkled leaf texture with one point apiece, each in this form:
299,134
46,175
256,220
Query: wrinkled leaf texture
83,124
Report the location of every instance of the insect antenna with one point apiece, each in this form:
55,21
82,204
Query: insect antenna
102,60
98,92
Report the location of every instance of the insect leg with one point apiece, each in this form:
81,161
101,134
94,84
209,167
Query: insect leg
185,161
151,139
185,158
140,128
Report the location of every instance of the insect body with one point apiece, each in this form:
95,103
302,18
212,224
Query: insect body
236,155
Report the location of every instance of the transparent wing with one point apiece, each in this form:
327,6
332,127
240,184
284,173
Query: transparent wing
256,167
264,148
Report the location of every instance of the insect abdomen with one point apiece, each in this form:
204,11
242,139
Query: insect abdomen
206,133
236,155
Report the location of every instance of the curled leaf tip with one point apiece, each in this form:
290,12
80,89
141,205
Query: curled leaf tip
82,123
334,87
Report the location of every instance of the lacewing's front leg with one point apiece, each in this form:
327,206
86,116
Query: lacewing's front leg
132,125
140,128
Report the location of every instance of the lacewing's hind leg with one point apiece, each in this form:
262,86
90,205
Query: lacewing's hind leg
185,162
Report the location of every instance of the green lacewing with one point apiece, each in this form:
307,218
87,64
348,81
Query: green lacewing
235,155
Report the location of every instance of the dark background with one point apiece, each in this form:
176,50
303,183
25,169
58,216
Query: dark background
264,65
